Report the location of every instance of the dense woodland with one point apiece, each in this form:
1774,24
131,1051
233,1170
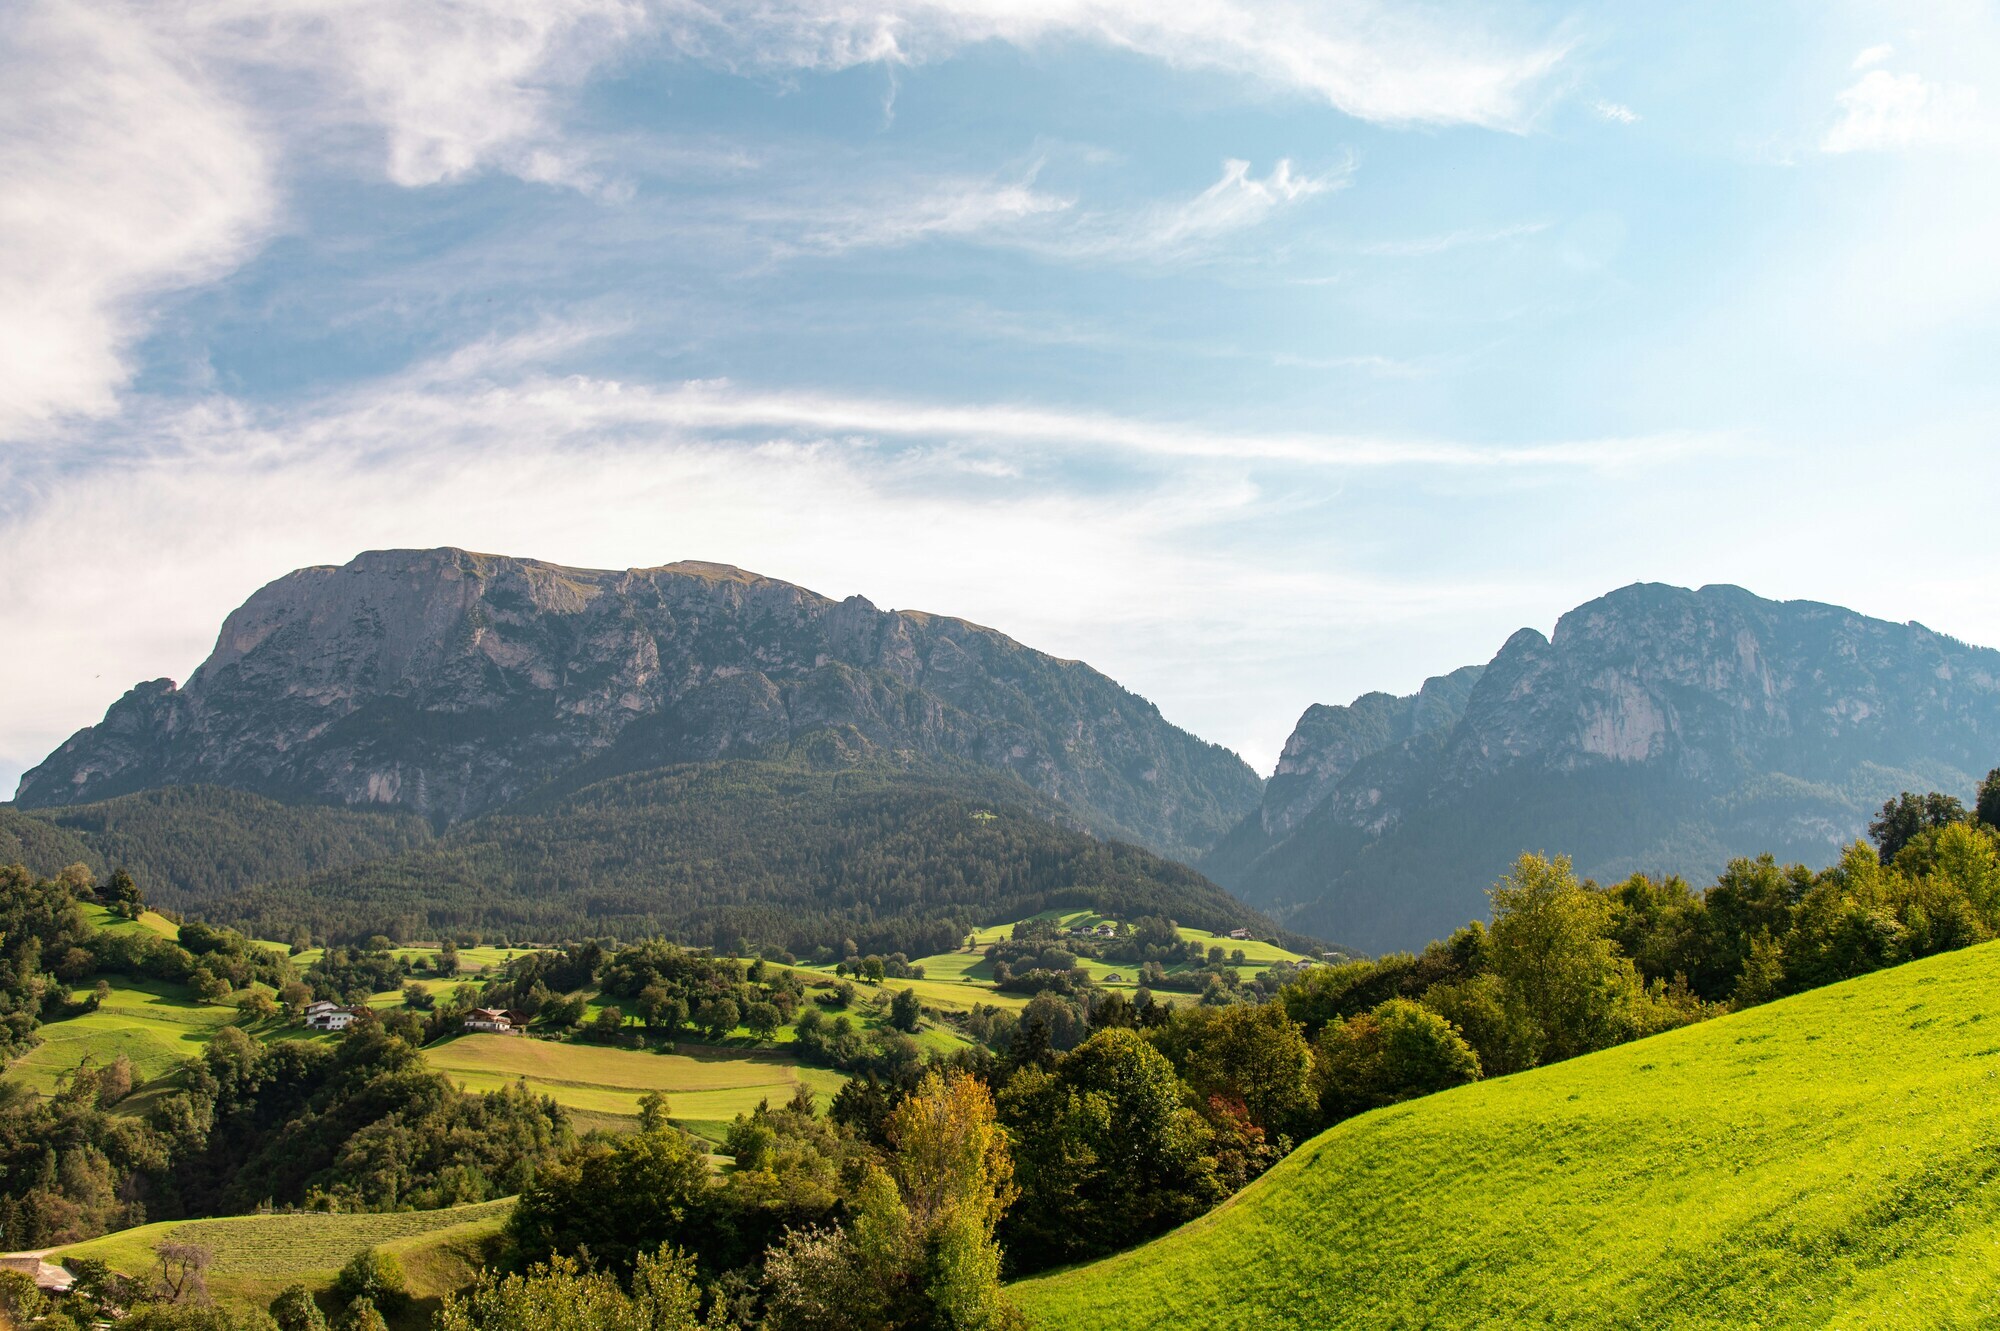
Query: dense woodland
740,856
1089,1122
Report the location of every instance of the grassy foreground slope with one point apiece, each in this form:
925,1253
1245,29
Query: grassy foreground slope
258,1255
1827,1160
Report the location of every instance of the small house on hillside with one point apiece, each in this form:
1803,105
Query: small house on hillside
320,1006
48,1277
329,1018
1113,978
492,1020
1106,930
1239,934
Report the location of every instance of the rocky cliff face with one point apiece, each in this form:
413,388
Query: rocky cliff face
449,683
1658,729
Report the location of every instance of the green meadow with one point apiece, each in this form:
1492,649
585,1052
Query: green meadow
1832,1159
962,977
157,1026
256,1256
151,921
702,1083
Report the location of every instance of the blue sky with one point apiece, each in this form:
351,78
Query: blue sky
1260,354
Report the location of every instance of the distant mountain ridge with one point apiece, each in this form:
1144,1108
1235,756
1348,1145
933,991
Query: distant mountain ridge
1658,729
449,684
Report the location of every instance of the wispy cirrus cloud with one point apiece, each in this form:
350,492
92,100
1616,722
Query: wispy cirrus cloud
1394,64
148,147
1017,213
481,448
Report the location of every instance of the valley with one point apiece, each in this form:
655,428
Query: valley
722,1001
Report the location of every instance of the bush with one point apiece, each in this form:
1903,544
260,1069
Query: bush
297,1310
1396,1051
372,1275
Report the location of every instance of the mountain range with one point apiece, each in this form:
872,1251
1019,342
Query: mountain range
445,737
1656,730
448,684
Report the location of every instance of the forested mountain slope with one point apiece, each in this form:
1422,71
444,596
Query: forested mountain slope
1658,730
1823,1160
790,854
448,684
190,844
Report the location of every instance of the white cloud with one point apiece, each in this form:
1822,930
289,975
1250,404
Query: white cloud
1885,111
125,175
1397,64
1617,112
823,218
477,394
1422,246
142,146
1871,56
453,87
1236,201
907,502
959,209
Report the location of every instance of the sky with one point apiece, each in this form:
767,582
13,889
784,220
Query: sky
1259,353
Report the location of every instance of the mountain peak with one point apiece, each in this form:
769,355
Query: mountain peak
448,683
1658,728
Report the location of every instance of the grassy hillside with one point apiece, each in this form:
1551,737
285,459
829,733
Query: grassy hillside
256,1256
1827,1160
704,1085
157,1026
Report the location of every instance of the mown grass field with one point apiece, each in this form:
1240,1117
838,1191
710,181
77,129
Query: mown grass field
256,1256
157,1026
1829,1160
702,1083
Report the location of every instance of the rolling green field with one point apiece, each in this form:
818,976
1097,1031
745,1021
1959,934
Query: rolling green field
151,921
967,977
256,1256
1829,1160
157,1026
702,1083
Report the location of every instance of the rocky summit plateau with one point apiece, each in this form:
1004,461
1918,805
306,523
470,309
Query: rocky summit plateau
448,684
1658,730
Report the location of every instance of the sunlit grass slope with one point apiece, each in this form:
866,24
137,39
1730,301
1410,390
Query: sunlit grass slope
1829,1160
157,1026
258,1255
700,1082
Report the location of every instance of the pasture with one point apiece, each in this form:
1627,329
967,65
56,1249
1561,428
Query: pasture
701,1082
1826,1160
150,921
256,1256
157,1026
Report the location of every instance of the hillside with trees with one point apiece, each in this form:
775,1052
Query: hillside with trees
746,856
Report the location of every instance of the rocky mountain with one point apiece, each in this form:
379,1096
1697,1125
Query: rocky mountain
447,684
1658,729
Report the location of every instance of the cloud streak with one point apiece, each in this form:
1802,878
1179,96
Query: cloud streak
1393,64
219,499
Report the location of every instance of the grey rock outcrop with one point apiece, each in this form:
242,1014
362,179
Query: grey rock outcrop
449,683
1658,729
